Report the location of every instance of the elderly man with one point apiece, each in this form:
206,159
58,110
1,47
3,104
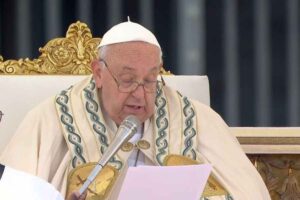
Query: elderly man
62,138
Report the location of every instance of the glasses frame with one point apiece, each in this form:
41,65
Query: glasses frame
159,84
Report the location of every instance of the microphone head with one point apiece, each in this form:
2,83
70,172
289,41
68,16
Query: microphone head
131,122
133,119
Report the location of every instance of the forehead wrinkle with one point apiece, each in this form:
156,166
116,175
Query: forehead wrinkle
131,69
127,68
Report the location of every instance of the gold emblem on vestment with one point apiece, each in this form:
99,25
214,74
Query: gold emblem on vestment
99,188
128,146
143,144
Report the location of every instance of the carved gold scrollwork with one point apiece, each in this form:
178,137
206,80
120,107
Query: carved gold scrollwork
164,72
21,66
281,174
70,55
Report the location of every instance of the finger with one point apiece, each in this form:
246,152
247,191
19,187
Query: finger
82,196
77,196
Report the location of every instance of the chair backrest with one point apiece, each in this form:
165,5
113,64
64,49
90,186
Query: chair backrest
64,61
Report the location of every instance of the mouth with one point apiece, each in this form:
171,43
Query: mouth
134,108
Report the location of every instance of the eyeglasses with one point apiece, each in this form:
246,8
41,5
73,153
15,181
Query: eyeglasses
130,86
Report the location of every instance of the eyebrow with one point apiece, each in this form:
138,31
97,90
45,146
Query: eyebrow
127,68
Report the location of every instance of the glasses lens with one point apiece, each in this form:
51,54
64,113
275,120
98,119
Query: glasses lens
151,87
128,87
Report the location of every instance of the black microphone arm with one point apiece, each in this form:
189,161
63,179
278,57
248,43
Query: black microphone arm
126,130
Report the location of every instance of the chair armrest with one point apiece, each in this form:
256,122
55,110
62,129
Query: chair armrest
268,140
275,152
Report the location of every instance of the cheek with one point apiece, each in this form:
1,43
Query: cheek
110,98
151,103
118,100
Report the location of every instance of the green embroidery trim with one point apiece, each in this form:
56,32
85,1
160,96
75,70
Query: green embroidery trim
93,109
66,118
161,126
189,124
189,133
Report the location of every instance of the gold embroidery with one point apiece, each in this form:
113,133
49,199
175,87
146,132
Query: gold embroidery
143,144
128,146
212,188
99,188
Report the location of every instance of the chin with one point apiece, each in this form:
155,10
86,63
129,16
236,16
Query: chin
142,119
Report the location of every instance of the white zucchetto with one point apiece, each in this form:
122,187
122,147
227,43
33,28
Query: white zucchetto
128,32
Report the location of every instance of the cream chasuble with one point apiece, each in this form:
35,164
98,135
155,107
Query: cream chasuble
70,130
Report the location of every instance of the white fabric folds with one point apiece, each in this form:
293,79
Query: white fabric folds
16,184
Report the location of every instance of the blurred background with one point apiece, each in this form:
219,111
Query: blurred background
248,48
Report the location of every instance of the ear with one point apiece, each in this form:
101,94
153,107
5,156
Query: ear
97,75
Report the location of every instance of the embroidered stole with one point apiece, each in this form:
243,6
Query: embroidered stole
188,124
95,118
161,127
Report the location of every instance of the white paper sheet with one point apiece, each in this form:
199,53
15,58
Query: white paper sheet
15,185
163,183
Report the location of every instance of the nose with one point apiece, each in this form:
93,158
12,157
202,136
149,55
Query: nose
139,92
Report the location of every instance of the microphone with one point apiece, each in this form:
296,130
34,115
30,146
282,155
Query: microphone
125,131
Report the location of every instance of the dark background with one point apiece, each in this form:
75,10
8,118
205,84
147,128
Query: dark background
164,26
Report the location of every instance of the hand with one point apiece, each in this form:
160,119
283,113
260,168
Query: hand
76,196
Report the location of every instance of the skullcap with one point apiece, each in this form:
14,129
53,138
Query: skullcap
128,32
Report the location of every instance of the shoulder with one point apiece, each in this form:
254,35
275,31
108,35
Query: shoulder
202,109
48,105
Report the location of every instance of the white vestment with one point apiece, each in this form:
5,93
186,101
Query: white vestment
180,126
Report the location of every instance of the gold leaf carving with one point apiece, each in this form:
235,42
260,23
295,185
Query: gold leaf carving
290,188
281,174
164,72
70,55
